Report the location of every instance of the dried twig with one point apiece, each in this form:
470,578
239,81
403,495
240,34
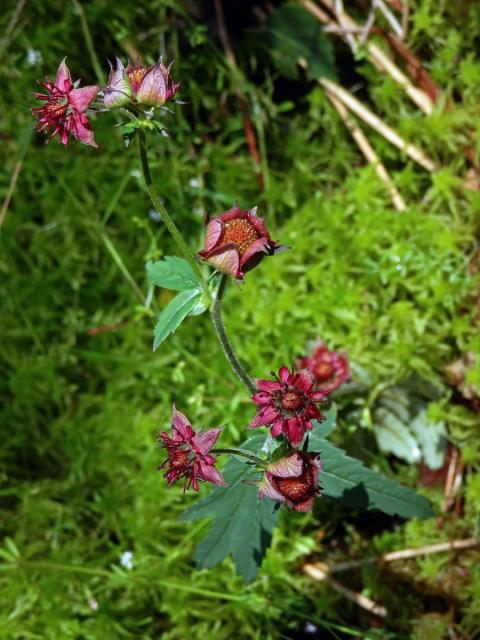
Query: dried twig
11,188
376,55
453,481
414,67
15,174
321,571
318,572
370,118
389,17
107,328
404,554
369,152
405,17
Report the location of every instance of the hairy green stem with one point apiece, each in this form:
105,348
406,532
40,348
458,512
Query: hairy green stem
230,354
169,223
243,454
215,310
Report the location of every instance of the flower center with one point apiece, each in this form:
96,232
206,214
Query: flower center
178,458
242,233
323,371
55,109
291,400
135,75
297,489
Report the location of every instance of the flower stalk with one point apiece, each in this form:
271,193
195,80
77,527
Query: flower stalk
169,223
230,354
242,454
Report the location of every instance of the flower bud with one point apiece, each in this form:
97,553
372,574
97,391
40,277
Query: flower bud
118,92
156,86
151,86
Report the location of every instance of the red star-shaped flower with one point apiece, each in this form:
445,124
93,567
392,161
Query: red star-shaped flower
329,368
288,404
63,113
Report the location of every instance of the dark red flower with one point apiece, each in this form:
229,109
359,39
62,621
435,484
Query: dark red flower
293,480
287,404
187,453
236,241
330,368
64,110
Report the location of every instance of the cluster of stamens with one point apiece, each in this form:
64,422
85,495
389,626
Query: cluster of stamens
135,75
323,371
290,400
299,488
242,233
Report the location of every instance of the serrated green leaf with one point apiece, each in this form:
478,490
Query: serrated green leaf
171,273
349,481
293,35
323,429
242,525
174,314
393,436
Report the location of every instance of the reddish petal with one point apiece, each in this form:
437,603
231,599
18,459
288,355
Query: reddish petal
277,428
63,81
226,260
153,88
295,428
318,396
213,234
119,90
81,131
267,385
305,506
288,467
259,246
269,413
305,380
262,397
266,489
258,224
204,441
80,99
266,415
235,213
284,374
316,468
182,429
208,473
312,412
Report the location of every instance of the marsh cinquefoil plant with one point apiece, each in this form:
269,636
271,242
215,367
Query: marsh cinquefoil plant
295,463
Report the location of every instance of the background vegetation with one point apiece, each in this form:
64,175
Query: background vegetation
81,391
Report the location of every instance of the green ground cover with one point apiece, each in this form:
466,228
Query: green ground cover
81,391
